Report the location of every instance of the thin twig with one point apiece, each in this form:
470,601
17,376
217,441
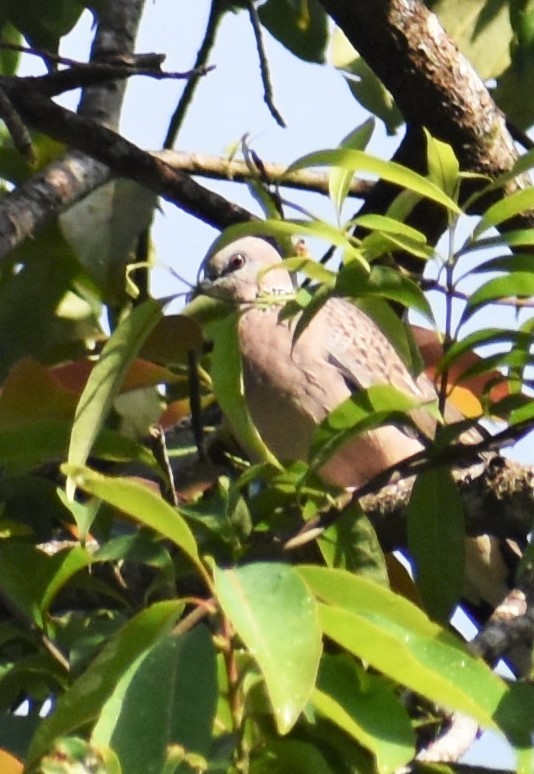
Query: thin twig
204,51
15,126
264,65
195,403
159,450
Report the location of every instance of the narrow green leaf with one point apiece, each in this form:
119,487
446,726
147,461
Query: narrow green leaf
276,617
519,284
339,179
443,166
358,702
139,501
311,269
384,282
356,160
389,225
227,376
105,380
83,702
282,229
166,696
436,541
366,409
512,205
395,637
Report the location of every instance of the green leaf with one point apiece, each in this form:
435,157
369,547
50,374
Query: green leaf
350,543
358,702
519,284
103,230
166,696
363,84
286,645
436,541
105,380
281,229
384,282
339,179
300,26
83,702
311,269
33,592
480,29
365,410
227,376
43,24
139,501
443,166
288,756
360,161
508,207
395,637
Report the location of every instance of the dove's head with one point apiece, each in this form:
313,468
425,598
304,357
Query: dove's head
237,272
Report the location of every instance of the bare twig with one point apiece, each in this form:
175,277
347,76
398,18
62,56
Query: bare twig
264,65
19,134
177,118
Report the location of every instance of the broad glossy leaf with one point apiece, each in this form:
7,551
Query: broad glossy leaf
275,615
166,696
399,640
227,376
83,702
139,501
358,703
387,170
106,378
436,541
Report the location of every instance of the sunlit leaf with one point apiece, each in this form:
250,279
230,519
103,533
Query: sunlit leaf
339,180
396,638
357,702
391,171
287,646
227,376
137,500
511,205
106,379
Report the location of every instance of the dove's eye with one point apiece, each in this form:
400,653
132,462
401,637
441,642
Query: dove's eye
236,261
